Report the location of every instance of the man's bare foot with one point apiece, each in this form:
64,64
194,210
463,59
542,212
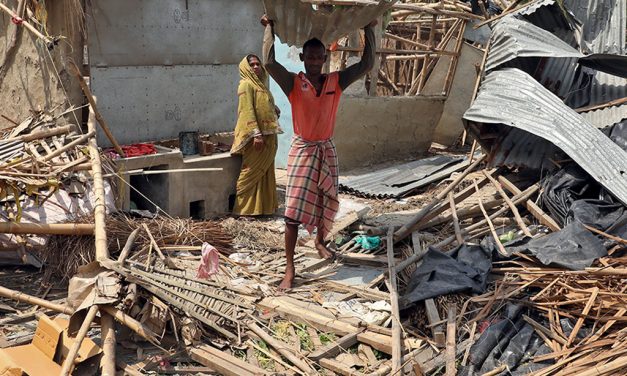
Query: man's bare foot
288,280
323,251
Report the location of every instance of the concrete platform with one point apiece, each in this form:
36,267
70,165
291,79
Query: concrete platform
180,194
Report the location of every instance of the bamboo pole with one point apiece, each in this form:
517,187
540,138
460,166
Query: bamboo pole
25,298
458,233
408,228
497,241
92,103
423,74
47,228
41,134
27,25
128,245
282,349
131,323
100,233
68,364
107,363
509,202
405,40
397,340
78,141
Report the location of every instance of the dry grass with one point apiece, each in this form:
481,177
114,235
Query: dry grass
64,254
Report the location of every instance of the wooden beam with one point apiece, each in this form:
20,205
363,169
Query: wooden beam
222,362
433,316
339,368
451,370
511,205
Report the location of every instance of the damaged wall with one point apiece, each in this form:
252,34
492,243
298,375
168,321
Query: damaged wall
28,78
370,130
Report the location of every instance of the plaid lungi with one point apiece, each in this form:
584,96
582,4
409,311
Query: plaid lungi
312,184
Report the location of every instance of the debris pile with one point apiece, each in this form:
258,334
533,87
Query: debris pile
508,260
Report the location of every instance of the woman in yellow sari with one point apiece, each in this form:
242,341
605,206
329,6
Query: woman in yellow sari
256,141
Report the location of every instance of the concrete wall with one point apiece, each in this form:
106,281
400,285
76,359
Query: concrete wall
450,126
159,67
370,130
29,80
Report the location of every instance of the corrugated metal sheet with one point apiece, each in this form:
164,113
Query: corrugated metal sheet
603,32
548,15
513,98
606,117
397,181
603,24
296,22
523,149
513,38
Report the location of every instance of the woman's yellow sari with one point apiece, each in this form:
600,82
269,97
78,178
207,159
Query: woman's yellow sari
256,186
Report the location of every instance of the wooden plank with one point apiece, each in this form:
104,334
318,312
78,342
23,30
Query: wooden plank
383,342
451,370
222,362
339,368
333,349
397,343
434,317
364,259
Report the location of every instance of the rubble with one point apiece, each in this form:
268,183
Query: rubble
508,260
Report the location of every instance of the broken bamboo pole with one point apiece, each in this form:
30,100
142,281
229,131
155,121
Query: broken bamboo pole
397,341
27,25
408,228
128,246
47,228
509,203
25,298
451,370
107,363
497,241
533,208
282,349
458,233
92,103
68,364
523,196
131,323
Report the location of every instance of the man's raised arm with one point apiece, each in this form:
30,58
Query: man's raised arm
358,70
282,76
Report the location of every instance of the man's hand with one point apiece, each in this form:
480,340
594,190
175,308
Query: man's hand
258,143
373,23
265,21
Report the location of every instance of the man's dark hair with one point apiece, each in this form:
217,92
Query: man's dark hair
313,42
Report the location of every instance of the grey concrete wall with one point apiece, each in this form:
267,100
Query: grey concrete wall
159,67
370,130
450,126
33,78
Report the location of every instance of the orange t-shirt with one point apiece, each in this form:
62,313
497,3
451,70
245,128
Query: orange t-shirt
313,116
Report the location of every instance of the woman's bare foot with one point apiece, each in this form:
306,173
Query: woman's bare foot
323,251
288,280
